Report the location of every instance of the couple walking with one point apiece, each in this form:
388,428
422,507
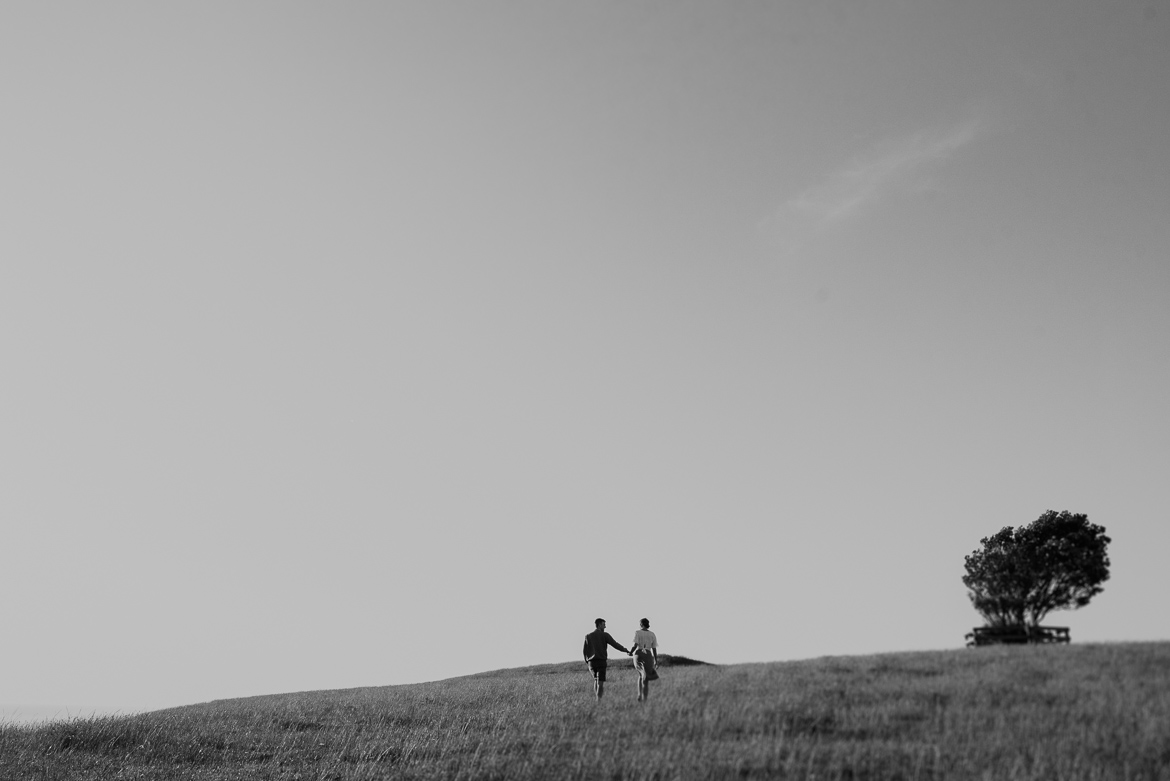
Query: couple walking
644,651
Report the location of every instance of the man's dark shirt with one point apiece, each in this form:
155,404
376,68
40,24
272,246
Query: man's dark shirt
595,646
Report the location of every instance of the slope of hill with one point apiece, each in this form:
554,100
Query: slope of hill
1068,712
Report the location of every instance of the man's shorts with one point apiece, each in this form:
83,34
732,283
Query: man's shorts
597,667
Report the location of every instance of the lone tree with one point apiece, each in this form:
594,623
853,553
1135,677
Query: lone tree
1021,575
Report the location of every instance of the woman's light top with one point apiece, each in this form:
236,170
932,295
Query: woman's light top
644,638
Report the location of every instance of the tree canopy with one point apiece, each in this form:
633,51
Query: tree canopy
1019,576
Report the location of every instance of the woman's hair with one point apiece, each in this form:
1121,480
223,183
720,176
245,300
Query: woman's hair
645,622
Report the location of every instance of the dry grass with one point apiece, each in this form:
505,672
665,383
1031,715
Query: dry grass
1067,712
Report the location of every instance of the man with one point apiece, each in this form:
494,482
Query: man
596,654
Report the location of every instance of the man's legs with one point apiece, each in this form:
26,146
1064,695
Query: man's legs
598,680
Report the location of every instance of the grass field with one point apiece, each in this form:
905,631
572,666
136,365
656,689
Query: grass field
1045,712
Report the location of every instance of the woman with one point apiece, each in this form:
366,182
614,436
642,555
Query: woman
645,648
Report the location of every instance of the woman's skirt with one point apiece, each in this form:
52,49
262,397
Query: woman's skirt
644,664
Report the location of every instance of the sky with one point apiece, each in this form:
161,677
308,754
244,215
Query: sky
357,344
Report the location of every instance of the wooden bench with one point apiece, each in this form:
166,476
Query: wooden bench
1017,635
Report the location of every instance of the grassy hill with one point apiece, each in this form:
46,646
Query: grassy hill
1048,712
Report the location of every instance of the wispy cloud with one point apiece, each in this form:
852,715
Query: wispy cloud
892,166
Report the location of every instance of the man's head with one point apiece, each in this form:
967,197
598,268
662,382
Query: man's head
645,622
599,623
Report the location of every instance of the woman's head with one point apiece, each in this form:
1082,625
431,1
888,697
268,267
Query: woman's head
645,622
